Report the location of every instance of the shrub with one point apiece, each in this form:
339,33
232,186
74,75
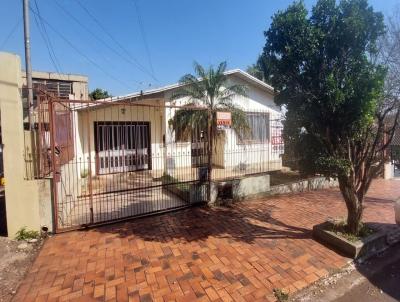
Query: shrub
24,234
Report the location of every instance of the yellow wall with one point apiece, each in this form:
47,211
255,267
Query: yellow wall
85,139
22,196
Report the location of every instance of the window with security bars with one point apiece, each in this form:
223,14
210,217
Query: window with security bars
259,128
60,88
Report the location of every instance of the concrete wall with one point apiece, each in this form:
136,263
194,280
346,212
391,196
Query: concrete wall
310,184
250,186
388,171
22,196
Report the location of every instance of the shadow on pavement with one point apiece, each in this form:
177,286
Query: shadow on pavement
382,282
246,225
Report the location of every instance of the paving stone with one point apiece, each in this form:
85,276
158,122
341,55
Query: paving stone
240,253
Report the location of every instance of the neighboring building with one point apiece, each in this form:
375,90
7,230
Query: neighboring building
66,86
70,86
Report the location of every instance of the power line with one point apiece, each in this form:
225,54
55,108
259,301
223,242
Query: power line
115,40
81,53
12,31
45,37
92,33
98,38
143,33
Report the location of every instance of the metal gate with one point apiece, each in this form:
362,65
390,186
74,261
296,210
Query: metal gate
114,160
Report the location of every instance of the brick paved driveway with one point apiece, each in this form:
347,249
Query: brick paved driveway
217,254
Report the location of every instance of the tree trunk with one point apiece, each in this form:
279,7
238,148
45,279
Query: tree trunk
353,204
210,153
210,139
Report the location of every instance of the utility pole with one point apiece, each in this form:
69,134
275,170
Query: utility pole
28,65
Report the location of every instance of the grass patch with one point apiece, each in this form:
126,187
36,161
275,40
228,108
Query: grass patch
168,179
280,295
24,234
284,177
340,229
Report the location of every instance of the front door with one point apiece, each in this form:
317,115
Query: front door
122,146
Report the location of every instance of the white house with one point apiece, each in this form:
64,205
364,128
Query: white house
126,146
132,132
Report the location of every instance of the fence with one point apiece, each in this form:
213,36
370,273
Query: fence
113,160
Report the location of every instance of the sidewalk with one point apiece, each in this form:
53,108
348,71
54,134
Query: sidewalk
376,280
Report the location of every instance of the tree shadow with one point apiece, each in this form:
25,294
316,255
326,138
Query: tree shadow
245,224
378,200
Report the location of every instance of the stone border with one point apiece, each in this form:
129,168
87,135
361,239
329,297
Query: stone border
365,248
257,186
310,184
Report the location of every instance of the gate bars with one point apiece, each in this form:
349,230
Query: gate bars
115,160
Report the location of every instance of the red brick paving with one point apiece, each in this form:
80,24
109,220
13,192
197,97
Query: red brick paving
203,254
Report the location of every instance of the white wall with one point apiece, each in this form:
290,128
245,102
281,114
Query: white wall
231,153
238,155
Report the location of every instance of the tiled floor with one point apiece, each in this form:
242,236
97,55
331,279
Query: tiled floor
204,254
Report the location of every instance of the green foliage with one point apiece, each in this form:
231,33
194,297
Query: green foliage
340,229
320,64
256,70
185,120
168,179
280,295
209,89
84,173
24,234
99,94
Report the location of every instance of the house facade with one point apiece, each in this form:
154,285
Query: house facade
121,157
133,133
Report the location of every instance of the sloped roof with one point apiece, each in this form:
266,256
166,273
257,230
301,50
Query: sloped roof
237,72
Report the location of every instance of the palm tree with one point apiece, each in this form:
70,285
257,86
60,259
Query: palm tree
208,89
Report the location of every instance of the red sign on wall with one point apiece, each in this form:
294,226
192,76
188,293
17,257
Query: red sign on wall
276,140
224,120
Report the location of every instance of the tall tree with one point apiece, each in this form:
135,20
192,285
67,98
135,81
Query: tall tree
323,69
99,94
389,56
208,89
256,69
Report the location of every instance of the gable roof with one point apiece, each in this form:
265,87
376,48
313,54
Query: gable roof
159,92
236,72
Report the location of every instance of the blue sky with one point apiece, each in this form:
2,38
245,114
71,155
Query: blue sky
177,32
